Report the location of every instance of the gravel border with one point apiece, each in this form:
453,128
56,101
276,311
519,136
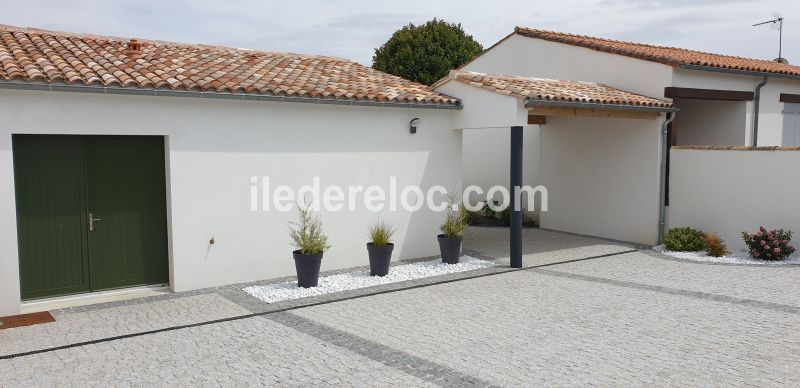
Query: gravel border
740,258
273,293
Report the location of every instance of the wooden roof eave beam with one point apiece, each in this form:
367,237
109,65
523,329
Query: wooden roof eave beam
572,109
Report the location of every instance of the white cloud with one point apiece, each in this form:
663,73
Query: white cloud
353,28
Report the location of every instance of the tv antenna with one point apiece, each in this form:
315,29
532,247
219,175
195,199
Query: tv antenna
776,24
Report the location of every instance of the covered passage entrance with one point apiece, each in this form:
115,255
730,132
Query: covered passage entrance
598,149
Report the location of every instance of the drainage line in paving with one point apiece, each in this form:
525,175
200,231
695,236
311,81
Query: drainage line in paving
253,315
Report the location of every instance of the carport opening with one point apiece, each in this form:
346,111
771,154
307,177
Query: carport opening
711,122
709,117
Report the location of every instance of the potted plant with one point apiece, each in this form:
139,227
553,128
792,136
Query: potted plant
380,248
311,243
455,223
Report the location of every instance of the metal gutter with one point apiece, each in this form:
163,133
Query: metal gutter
756,107
662,216
61,87
529,102
740,72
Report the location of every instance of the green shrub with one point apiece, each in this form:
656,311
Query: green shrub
684,240
307,234
426,53
769,245
505,216
715,247
380,233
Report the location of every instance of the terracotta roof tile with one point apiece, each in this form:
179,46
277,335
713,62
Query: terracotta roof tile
556,90
667,55
57,57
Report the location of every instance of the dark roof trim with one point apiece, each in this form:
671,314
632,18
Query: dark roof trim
708,94
790,98
530,102
57,87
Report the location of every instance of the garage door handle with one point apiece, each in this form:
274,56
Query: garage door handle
92,220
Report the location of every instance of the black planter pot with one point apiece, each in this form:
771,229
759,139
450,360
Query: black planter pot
450,247
379,258
307,267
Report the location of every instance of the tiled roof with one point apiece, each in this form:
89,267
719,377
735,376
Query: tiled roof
55,57
556,90
667,55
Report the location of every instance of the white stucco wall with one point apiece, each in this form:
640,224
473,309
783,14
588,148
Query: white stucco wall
9,262
530,57
215,146
486,155
602,176
728,192
483,108
486,121
709,122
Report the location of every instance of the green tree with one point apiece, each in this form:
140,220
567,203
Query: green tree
426,53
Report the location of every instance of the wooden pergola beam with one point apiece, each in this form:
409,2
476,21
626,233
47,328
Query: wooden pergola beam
709,94
537,119
790,98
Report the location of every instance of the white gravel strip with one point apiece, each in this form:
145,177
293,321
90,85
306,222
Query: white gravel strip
740,257
360,279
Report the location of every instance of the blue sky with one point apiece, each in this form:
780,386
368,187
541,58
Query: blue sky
353,28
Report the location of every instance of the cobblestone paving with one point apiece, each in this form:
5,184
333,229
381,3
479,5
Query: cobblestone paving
625,320
71,328
531,328
415,366
252,351
763,283
540,246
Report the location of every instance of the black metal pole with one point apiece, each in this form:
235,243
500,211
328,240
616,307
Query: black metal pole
780,40
516,188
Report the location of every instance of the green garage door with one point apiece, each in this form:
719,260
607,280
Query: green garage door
91,213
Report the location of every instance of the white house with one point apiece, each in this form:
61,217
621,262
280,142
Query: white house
131,162
159,142
600,115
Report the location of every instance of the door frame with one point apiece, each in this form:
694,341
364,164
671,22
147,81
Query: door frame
168,210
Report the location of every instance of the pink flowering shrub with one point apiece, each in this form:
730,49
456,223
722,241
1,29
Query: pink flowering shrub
769,245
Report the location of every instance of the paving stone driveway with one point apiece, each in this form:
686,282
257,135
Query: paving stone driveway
621,319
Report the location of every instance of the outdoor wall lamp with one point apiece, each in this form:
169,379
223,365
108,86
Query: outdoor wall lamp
413,125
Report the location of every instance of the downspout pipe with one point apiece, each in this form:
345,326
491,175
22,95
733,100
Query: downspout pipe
756,105
662,216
